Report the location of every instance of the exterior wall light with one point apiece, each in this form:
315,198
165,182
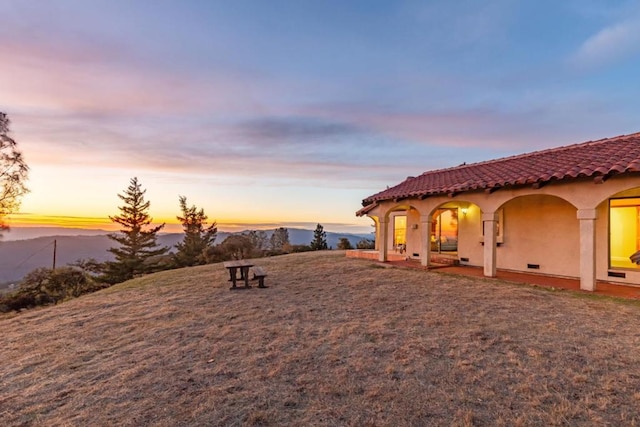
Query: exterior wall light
464,211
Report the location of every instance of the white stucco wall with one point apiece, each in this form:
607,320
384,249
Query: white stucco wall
413,234
540,230
470,236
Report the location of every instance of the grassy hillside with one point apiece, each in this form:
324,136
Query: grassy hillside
19,257
332,341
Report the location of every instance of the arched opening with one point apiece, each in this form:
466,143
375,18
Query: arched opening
444,230
455,231
402,226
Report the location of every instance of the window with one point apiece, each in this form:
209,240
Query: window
399,230
624,231
444,230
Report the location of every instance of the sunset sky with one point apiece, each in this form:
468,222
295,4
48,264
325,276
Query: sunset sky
269,113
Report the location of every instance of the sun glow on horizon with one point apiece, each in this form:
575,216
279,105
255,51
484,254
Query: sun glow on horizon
172,225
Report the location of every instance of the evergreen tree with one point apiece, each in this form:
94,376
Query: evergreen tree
137,246
197,237
279,240
319,241
13,172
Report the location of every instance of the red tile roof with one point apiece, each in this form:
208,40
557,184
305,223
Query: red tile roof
601,158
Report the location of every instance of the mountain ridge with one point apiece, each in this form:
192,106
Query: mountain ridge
19,257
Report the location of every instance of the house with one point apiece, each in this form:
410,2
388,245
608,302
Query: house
571,211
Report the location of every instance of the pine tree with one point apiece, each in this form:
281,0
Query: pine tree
197,239
137,246
319,241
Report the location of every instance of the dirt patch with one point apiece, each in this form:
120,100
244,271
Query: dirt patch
332,341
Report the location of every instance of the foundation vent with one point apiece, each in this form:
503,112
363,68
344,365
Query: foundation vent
533,266
416,255
464,259
617,274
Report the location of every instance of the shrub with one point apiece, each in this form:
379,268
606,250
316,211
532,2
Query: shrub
300,248
344,243
237,246
46,286
366,244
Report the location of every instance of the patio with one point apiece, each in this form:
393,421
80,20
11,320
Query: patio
602,288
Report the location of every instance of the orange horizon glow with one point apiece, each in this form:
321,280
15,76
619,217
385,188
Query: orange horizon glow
172,225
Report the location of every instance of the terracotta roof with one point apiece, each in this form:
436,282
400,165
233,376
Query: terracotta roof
602,158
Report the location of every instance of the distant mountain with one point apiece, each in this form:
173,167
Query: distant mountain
22,233
18,257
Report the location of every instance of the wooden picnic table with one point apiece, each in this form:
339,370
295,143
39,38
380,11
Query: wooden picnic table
234,266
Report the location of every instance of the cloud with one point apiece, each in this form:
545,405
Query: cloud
443,137
611,44
300,130
294,149
83,78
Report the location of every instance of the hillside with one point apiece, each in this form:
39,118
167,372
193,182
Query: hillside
332,341
18,257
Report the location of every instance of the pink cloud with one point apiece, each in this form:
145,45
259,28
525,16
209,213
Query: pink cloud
85,78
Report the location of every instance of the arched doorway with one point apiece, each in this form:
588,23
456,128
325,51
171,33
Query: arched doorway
454,230
444,230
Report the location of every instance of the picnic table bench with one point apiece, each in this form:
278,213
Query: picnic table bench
259,274
243,266
233,267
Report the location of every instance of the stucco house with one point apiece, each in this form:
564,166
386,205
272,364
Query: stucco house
571,211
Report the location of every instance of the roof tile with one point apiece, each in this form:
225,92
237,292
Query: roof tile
593,158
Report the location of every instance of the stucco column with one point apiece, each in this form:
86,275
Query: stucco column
425,240
384,238
378,237
587,218
490,222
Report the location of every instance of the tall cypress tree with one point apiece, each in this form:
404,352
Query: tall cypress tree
319,241
197,238
137,245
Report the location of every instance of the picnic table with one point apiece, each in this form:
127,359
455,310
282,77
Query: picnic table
233,267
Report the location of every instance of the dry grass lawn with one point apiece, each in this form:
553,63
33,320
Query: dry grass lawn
332,341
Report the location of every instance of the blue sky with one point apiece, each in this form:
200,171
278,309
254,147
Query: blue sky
291,112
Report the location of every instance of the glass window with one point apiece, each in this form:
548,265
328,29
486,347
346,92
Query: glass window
399,230
444,230
624,231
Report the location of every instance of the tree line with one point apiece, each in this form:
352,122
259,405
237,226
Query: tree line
136,252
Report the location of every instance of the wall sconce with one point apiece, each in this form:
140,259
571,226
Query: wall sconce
464,211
